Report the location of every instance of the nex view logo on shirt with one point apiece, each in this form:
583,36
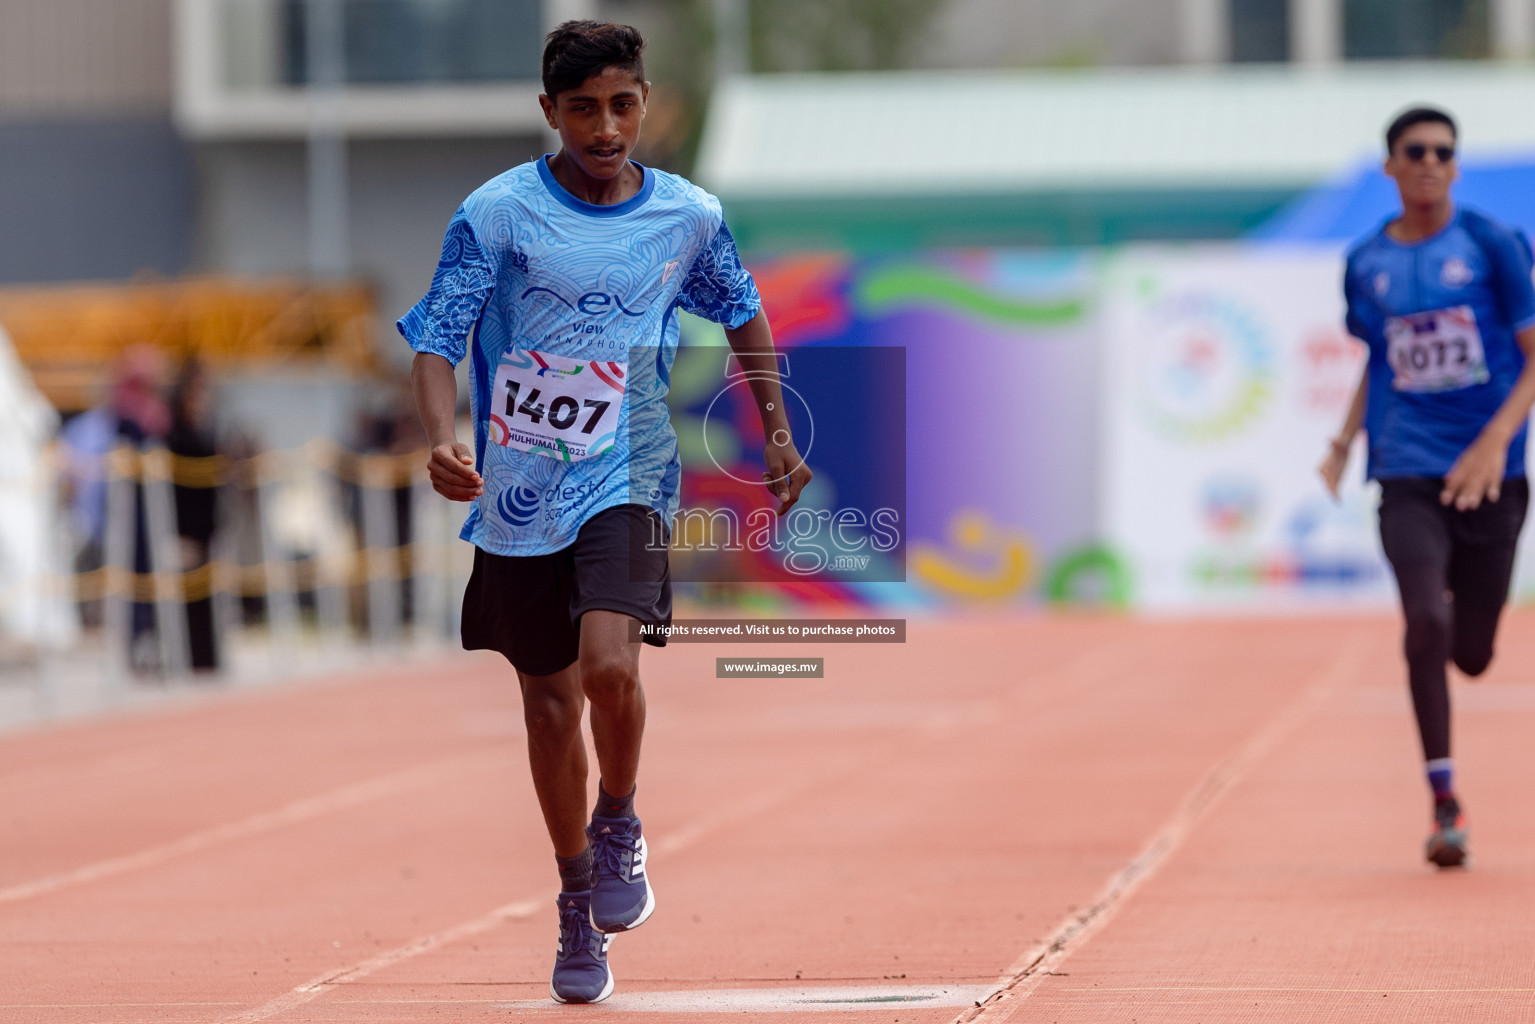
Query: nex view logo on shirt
599,303
590,304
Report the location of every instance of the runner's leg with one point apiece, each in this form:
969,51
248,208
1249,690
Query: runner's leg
610,678
1480,571
622,897
1416,538
551,708
1415,530
621,580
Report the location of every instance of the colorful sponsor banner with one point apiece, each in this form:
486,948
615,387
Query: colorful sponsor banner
1228,371
997,408
1136,428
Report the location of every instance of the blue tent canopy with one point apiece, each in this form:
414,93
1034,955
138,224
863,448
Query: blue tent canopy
1356,203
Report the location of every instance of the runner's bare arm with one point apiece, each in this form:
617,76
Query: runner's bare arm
1336,462
786,474
1478,473
451,464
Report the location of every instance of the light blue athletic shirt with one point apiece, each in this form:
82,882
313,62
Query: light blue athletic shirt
1475,270
531,268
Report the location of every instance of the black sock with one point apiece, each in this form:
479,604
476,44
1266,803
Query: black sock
610,806
575,872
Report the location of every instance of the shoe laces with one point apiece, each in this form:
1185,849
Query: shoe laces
575,929
1447,813
614,851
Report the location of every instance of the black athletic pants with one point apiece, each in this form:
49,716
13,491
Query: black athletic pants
1453,570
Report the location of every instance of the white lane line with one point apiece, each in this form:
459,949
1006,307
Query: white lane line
308,809
839,999
105,1006
669,844
1026,973
937,728
1300,989
312,989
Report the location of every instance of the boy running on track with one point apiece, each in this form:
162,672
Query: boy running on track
1443,297
569,271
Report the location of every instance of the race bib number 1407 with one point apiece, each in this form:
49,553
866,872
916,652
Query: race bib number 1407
1436,351
566,409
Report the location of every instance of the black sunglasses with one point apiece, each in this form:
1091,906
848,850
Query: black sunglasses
1416,151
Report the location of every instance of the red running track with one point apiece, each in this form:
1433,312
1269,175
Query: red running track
1068,819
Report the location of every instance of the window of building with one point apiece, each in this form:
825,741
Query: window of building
1384,29
401,41
1260,30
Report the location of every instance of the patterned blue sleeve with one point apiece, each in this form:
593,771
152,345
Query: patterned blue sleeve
717,287
466,275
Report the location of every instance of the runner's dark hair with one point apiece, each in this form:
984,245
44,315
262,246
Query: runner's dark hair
577,50
1417,115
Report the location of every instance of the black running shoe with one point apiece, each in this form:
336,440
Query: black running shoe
1447,844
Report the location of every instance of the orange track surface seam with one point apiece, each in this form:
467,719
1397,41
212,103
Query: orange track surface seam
1026,973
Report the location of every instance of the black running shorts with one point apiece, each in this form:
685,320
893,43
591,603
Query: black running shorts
529,608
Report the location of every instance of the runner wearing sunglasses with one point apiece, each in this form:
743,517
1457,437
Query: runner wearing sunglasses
1443,298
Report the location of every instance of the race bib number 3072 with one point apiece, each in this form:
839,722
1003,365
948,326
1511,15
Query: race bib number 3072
1436,351
566,409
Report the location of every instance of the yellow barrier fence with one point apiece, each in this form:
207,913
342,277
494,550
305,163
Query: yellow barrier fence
367,554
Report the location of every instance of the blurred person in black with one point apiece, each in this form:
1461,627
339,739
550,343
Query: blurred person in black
389,425
191,438
141,418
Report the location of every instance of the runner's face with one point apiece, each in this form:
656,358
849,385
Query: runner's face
599,121
1424,181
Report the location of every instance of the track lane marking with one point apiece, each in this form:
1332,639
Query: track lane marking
796,999
99,1006
308,809
1297,988
670,843
315,987
1082,667
1026,973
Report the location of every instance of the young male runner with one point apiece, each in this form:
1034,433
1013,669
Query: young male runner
1442,295
570,270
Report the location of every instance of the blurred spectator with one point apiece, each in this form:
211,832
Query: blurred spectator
133,414
389,425
191,438
137,396
87,438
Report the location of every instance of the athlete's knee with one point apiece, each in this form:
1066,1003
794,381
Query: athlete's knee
550,712
1429,628
1474,663
609,676
1476,633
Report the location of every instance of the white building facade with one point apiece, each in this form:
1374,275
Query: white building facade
1031,33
